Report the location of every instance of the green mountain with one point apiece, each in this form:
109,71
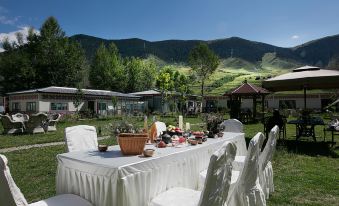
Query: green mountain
322,52
178,50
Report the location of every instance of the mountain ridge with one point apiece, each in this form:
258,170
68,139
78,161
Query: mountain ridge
323,52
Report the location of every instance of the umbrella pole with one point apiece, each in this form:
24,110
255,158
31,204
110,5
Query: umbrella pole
304,97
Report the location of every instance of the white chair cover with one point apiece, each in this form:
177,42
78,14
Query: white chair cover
10,194
63,200
232,125
247,191
81,137
265,165
161,126
216,187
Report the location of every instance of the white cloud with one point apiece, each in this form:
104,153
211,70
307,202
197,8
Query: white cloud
8,21
295,37
12,35
4,19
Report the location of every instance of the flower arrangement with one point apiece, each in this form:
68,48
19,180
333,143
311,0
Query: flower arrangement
213,121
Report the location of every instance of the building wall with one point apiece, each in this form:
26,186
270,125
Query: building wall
22,101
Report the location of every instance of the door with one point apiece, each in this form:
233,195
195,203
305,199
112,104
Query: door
91,107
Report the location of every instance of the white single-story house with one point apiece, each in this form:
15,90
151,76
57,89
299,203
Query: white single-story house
153,101
60,100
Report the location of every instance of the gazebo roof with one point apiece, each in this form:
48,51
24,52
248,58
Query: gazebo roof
248,89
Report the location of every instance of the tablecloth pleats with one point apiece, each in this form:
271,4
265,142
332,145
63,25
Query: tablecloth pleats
134,180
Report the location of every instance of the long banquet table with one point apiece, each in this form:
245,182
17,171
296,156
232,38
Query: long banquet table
109,178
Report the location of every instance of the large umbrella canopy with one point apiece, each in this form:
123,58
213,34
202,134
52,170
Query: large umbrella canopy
307,77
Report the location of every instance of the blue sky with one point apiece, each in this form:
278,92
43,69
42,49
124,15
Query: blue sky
282,23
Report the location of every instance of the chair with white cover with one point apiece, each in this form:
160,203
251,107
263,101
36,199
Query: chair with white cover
11,195
157,129
265,165
216,186
232,125
247,190
81,137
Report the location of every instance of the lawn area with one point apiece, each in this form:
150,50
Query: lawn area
307,175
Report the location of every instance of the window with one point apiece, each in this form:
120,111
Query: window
16,106
102,107
30,106
287,104
59,106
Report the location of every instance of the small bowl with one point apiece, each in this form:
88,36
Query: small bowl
148,152
193,142
102,148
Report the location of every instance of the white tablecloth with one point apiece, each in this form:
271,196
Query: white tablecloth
109,178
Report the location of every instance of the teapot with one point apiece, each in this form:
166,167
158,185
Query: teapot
166,138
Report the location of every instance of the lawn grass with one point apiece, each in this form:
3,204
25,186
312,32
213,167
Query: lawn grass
304,176
28,139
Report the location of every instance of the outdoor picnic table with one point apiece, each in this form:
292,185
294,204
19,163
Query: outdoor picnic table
110,178
306,127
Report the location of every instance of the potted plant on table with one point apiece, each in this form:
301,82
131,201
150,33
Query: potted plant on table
213,121
131,140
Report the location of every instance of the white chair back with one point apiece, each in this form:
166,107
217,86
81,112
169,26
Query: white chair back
10,194
161,126
250,172
232,125
248,190
218,178
81,137
268,152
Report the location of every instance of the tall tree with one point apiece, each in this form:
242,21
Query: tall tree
147,76
134,67
203,62
58,60
141,74
165,83
107,70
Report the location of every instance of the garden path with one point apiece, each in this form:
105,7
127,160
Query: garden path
12,149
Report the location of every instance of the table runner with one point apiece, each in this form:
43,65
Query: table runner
110,178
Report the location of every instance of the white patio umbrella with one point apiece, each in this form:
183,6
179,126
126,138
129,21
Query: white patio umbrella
306,77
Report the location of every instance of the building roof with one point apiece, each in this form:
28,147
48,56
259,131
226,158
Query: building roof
146,93
69,90
153,92
248,89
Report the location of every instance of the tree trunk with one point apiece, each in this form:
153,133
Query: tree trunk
202,92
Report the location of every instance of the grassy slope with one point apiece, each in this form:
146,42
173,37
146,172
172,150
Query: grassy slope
300,178
239,75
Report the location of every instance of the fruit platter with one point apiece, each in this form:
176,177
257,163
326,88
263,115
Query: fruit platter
172,130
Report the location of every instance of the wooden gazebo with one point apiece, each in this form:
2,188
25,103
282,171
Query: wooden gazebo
246,90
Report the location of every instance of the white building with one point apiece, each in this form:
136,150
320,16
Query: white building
60,100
